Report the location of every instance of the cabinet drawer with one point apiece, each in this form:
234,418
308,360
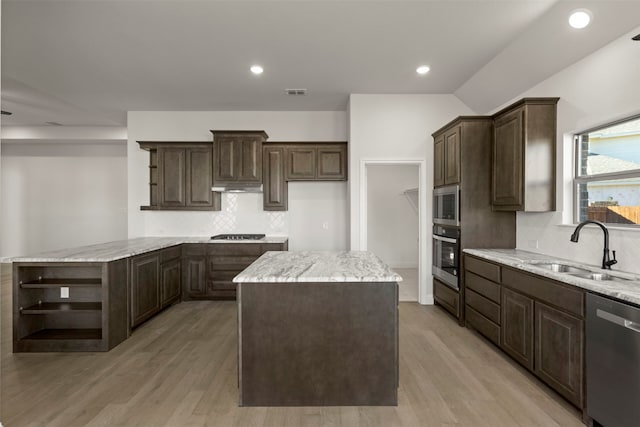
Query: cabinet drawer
484,306
482,268
483,325
236,263
170,253
546,290
241,249
482,286
447,297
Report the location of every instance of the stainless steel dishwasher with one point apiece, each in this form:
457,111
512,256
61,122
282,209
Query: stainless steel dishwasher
613,362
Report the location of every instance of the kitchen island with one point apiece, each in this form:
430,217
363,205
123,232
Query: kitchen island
318,329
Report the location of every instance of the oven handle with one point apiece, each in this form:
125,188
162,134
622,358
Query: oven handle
444,239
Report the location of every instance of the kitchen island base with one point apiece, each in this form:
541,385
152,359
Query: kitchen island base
318,344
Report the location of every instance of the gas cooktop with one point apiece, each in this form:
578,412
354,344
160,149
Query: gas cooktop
237,237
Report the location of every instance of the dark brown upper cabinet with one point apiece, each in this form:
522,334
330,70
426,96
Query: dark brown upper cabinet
446,166
275,188
316,162
237,157
180,176
524,147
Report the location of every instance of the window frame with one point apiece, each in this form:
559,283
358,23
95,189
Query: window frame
609,176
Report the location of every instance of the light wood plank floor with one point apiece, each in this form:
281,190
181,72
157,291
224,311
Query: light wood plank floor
179,369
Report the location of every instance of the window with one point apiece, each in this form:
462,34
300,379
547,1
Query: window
607,183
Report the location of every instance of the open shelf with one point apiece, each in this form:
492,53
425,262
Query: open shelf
63,307
65,334
56,283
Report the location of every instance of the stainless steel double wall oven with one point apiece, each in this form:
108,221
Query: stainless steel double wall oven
446,235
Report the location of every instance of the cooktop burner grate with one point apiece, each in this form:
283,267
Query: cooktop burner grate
237,237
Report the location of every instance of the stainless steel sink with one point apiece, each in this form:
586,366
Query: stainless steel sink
561,268
600,277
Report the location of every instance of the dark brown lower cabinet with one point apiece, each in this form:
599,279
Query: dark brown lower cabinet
540,322
145,292
446,297
209,268
517,327
170,282
559,344
155,283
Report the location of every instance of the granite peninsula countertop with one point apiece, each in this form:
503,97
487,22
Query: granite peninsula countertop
318,266
625,286
112,251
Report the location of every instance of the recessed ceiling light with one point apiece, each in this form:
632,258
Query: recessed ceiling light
580,18
256,69
422,70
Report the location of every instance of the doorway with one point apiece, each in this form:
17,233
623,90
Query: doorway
392,220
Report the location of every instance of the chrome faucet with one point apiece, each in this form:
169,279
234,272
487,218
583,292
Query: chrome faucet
606,261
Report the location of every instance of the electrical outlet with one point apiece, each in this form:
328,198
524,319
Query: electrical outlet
325,225
64,292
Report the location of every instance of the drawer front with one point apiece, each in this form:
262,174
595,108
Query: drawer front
447,297
483,325
235,263
235,249
482,268
484,306
546,290
170,253
482,286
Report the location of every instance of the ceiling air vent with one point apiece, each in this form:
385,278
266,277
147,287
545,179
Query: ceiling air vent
296,92
54,123
6,113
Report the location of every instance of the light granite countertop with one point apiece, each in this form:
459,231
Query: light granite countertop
316,266
624,286
112,251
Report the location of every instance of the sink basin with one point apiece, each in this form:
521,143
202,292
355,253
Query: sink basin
599,276
562,268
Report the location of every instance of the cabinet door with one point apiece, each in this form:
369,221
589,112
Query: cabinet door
452,156
225,163
332,163
199,177
249,156
508,163
300,163
559,344
145,289
275,186
171,178
517,327
194,274
438,161
170,282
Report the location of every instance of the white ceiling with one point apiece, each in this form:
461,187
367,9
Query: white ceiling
85,63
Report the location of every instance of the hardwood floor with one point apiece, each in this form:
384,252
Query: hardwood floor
179,369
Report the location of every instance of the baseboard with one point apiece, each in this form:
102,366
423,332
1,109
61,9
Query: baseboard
427,300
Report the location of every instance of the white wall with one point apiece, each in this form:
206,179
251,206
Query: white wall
599,89
311,205
392,224
397,127
61,195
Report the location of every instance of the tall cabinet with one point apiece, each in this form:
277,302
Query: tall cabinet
462,156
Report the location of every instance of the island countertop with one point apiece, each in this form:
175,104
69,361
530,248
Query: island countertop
318,266
112,251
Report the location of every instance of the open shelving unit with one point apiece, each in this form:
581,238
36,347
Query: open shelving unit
69,306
